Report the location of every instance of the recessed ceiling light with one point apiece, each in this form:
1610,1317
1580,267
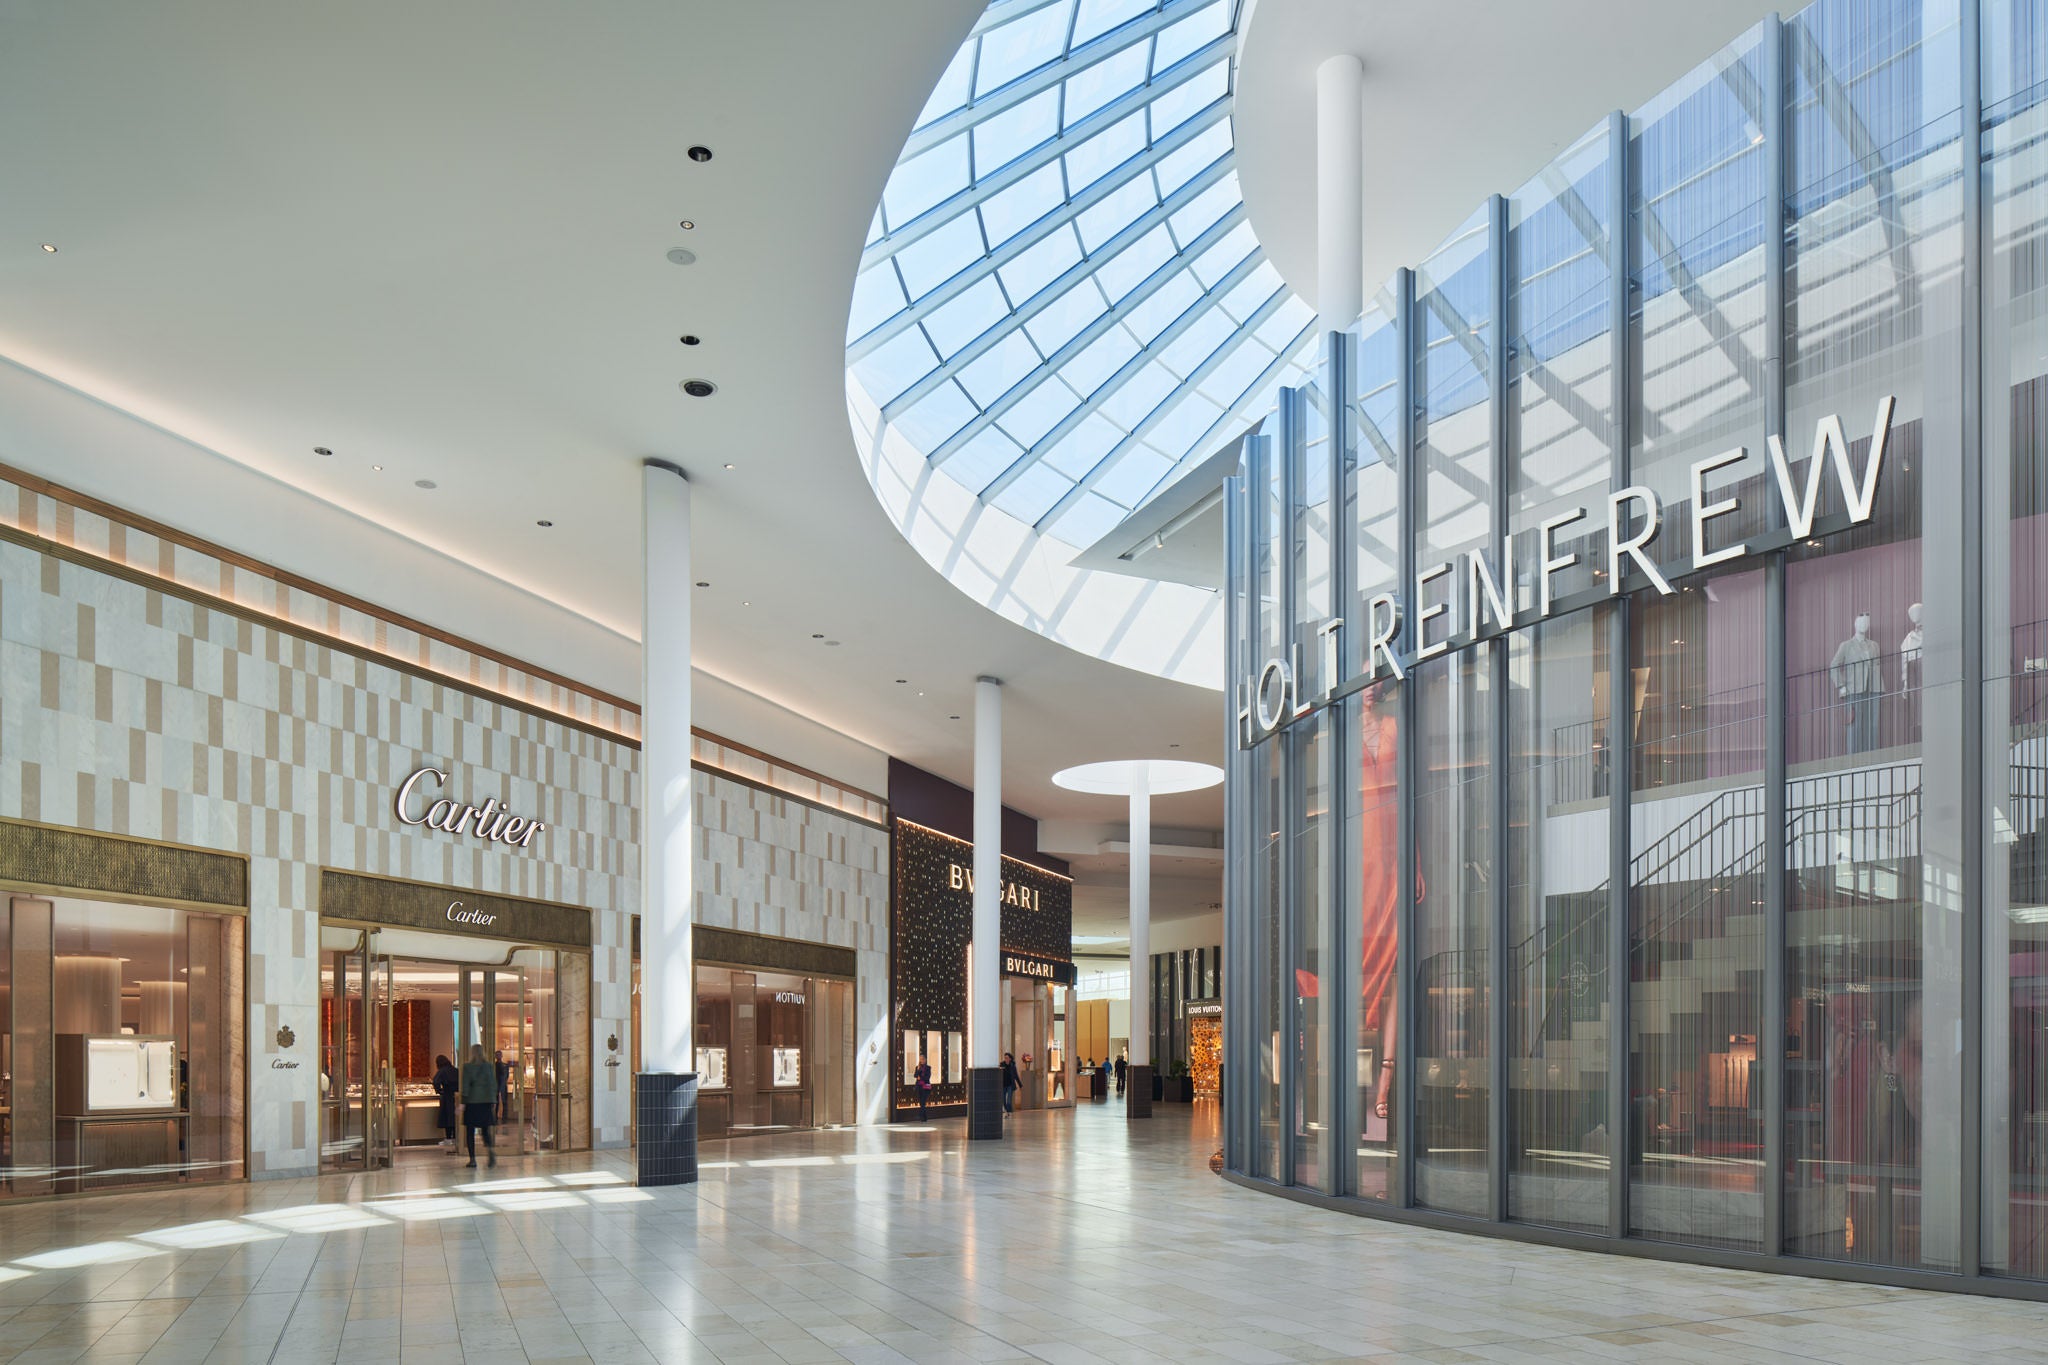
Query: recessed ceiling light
903,680
700,153
50,247
1173,746
690,339
952,718
746,604
424,483
816,636
728,466
322,450
543,522
679,256
702,584
698,388
687,226
378,467
920,694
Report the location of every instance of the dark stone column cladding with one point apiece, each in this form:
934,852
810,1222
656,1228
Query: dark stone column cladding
667,1134
1138,1092
984,1102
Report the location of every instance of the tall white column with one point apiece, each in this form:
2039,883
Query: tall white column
985,979
668,987
1141,916
1340,192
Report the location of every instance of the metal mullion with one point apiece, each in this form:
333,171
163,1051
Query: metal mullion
1291,812
995,258
982,186
1342,947
1496,661
1406,1011
1236,829
1976,848
1070,63
1623,368
1771,1046
1086,404
1020,315
1161,410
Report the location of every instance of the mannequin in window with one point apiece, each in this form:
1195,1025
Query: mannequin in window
1910,651
1858,683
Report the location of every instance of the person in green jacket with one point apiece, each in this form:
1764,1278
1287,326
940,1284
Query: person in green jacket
479,1101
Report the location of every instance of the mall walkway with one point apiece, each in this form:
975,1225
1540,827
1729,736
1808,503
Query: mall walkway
1079,1240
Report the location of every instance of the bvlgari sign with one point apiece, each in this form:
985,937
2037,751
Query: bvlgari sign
1274,698
415,805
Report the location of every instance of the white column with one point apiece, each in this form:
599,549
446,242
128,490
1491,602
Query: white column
668,986
1141,915
985,983
1340,194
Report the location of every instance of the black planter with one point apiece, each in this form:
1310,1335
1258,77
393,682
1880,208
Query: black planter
1158,1087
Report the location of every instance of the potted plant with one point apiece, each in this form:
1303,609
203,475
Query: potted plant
1180,1087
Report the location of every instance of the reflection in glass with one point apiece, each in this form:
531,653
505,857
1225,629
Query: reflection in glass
1374,831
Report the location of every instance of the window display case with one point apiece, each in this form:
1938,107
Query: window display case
115,1073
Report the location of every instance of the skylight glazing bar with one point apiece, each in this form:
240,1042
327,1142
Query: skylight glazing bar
1164,408
1038,81
1188,317
1173,267
986,265
1027,164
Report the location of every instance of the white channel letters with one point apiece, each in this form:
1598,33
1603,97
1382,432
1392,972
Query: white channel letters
1278,695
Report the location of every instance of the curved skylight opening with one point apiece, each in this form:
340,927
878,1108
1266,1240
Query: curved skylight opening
1060,300
1061,305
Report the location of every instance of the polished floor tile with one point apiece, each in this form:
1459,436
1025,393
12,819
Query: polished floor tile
1079,1239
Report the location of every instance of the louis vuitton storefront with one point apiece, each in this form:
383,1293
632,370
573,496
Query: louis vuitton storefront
1639,666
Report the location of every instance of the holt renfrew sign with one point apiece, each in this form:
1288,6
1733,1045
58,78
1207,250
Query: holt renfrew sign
1635,515
415,805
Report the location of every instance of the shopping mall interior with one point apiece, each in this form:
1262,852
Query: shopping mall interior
1048,679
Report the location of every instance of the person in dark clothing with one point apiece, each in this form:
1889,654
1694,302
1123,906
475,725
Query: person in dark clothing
1012,1083
923,1080
504,1070
1103,1082
445,1085
479,1101
1122,1066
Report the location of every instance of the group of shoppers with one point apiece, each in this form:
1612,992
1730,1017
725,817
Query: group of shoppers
921,1079
481,1086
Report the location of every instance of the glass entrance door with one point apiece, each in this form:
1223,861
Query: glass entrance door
381,1126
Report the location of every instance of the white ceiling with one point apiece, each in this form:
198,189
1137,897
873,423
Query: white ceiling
433,238
1462,99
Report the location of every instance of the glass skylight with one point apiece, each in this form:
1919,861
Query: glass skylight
1060,304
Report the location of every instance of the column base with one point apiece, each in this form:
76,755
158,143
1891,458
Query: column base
667,1130
1138,1092
984,1102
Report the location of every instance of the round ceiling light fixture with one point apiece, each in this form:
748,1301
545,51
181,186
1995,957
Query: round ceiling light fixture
322,450
50,247
690,339
1116,777
377,468
424,483
700,153
687,225
816,636
681,256
543,522
699,388
728,466
702,584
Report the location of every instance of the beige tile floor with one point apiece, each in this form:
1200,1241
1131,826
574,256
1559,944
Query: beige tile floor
1079,1239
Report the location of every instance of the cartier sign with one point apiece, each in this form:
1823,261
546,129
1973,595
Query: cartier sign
416,804
1485,588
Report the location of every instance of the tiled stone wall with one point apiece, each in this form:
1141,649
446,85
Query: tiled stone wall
770,865
126,708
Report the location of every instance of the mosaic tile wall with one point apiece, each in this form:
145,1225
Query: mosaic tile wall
129,709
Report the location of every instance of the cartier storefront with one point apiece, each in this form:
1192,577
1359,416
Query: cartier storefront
1639,673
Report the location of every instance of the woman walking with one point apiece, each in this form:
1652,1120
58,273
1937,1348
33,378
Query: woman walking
479,1101
445,1085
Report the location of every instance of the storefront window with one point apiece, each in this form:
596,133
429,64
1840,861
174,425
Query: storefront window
122,1045
2015,585
1374,832
774,1051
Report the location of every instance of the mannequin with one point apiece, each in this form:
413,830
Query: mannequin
1909,651
1858,683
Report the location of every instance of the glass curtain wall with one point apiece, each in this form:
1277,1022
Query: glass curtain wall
1724,898
2014,250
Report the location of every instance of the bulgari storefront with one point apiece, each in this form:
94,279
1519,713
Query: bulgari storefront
1639,666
